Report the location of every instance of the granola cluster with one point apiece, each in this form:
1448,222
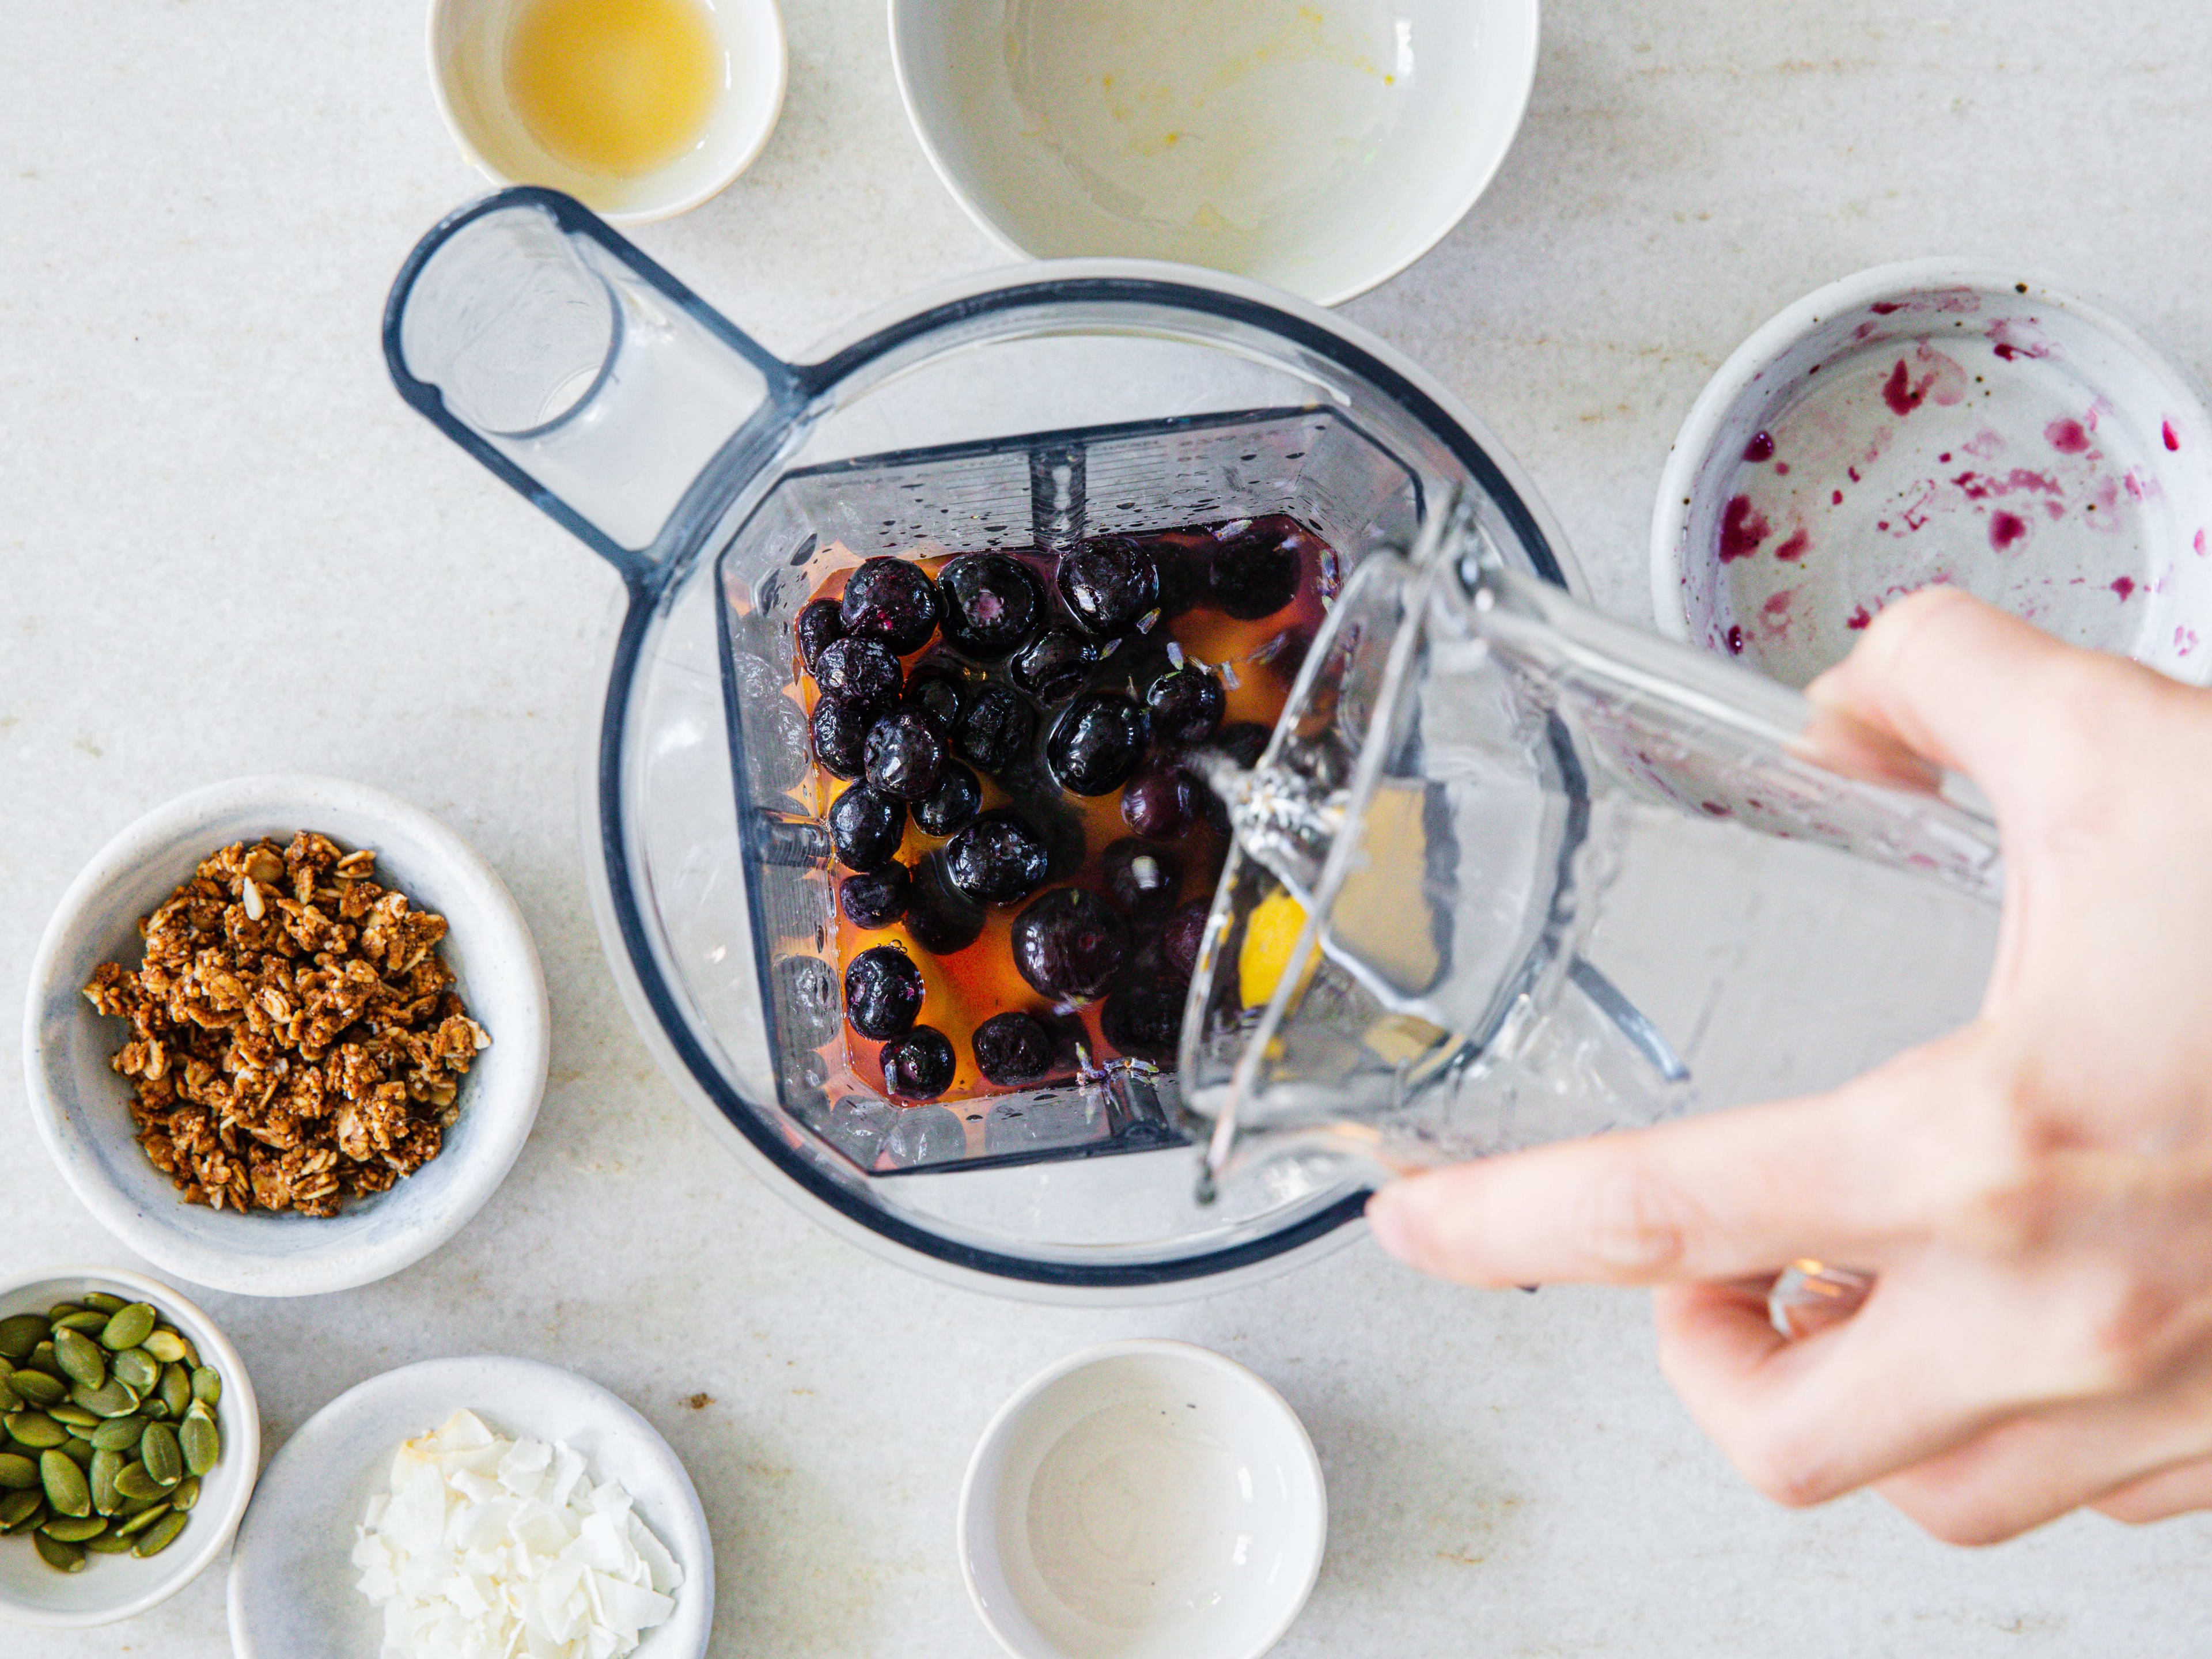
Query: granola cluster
294,1036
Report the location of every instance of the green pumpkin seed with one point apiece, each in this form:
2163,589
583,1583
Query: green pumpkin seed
42,1359
187,1492
73,1416
128,1326
164,1459
74,1529
138,1367
62,1558
17,1473
65,1485
35,1430
21,1509
19,1334
9,1400
118,1434
108,1544
163,1534
40,1388
101,1301
134,1482
176,1388
165,1346
207,1385
130,1506
79,1357
114,1398
88,1322
78,1452
62,1310
100,1475
202,1443
145,1518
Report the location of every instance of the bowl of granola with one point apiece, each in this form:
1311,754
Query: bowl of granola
285,1034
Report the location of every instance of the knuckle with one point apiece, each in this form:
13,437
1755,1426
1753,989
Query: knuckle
1787,1468
1634,1221
2125,1344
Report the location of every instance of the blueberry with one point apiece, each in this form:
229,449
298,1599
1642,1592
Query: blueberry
1111,585
1244,743
1068,944
866,826
1187,705
1096,744
1180,939
995,730
840,735
1144,1020
875,898
1053,667
883,992
938,692
1160,801
1255,574
998,859
905,754
918,1065
1011,1049
952,805
861,670
991,605
941,919
890,600
1142,881
818,623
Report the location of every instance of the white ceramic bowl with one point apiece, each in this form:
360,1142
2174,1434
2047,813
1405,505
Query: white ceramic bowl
1319,148
1142,1500
468,75
81,1105
112,1587
1940,422
292,1585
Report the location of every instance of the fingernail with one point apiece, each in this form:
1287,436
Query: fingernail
1387,1219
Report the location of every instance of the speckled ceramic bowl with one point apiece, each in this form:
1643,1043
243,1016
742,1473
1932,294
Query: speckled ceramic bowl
81,1103
1939,423
113,1587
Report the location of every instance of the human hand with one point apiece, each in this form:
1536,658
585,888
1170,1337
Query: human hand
2033,1192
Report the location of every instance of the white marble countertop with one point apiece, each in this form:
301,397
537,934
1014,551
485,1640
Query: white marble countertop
225,546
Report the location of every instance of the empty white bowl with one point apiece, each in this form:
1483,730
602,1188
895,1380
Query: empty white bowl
468,44
81,1104
1142,1500
291,1581
112,1587
1319,148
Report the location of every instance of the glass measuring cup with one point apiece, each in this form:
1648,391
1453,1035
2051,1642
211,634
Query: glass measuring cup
1399,969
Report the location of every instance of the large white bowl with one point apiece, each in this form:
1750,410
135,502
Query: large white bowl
292,1582
113,1587
1142,1500
1319,148
81,1105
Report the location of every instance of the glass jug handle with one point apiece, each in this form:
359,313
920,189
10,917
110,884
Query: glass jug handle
1712,739
589,378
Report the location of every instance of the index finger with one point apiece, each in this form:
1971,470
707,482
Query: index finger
1728,1196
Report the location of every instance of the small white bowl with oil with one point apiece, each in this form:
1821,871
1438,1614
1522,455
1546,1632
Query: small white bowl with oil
640,109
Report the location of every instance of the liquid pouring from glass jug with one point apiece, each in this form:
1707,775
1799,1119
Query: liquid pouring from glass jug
1398,968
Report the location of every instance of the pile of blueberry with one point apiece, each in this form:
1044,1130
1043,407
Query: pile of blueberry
1051,688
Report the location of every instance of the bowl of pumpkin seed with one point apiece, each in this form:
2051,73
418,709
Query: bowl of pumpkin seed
129,1444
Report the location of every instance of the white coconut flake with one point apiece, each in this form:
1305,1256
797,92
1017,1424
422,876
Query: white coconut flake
490,1548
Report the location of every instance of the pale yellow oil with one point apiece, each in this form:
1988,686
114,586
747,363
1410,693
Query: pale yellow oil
618,87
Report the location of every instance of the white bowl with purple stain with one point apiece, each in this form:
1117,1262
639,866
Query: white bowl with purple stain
1939,422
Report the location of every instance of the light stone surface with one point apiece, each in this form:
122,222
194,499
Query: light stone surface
225,546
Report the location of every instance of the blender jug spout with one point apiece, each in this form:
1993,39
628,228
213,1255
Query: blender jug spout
585,375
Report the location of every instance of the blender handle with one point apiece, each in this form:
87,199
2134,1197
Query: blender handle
571,365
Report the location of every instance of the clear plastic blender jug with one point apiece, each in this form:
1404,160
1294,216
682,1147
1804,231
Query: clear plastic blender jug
1064,400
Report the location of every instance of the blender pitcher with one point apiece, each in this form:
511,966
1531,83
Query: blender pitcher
1399,967
1016,410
